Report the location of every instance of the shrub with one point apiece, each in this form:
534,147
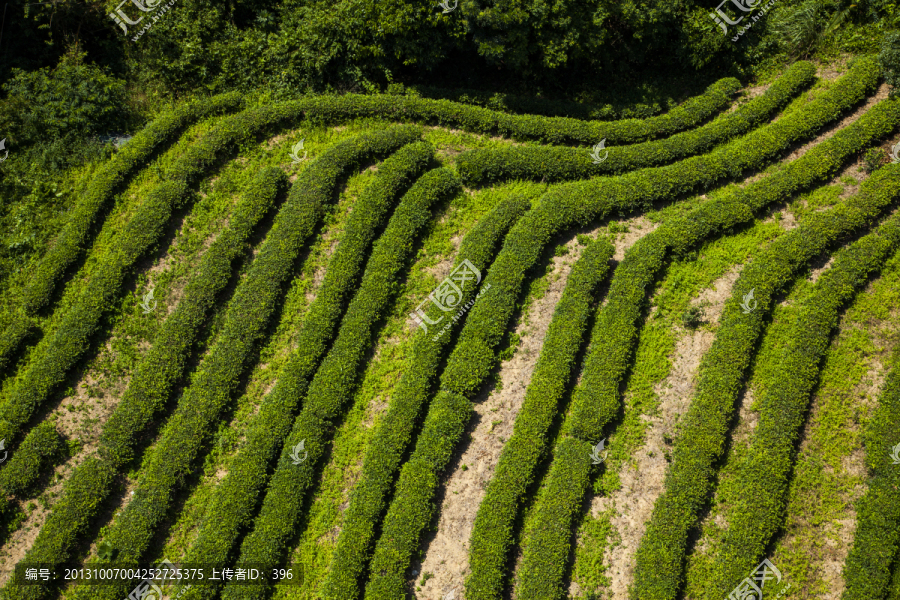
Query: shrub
889,59
492,533
395,430
332,386
412,507
545,552
71,101
548,163
873,159
535,106
701,441
229,512
692,317
38,452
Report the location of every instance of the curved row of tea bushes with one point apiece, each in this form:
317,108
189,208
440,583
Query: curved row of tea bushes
764,472
228,511
581,203
152,381
537,106
894,591
876,543
568,205
553,130
554,163
492,533
165,362
597,398
75,235
34,457
702,435
58,352
394,433
332,387
247,316
19,328
413,508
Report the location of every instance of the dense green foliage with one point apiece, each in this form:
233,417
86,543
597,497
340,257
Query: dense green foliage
395,432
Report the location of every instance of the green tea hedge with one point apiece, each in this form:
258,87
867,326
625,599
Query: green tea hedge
702,435
394,432
553,130
76,234
764,471
597,398
545,549
553,163
413,507
492,533
155,375
36,455
228,511
876,543
331,388
536,106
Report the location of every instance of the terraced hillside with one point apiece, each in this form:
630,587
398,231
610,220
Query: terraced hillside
438,351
